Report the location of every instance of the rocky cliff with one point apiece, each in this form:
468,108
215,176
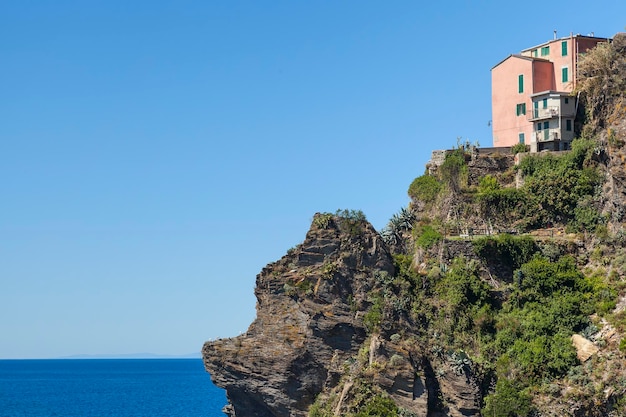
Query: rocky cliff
499,291
312,336
309,322
429,323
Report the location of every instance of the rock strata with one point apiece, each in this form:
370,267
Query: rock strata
308,324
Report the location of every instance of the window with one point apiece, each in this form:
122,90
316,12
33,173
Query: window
534,53
521,138
564,48
546,125
566,100
520,83
545,103
521,109
568,125
564,74
545,51
539,126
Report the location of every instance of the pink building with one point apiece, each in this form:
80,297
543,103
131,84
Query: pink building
530,94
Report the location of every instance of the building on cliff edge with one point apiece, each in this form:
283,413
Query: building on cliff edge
531,94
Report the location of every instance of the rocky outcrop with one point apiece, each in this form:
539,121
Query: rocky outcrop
308,325
312,336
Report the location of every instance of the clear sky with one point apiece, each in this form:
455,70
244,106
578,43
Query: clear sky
155,155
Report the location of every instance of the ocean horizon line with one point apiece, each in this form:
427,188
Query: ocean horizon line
197,355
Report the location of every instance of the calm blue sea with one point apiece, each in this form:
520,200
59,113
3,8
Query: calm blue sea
108,387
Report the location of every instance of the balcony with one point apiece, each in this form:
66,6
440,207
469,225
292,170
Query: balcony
547,135
548,113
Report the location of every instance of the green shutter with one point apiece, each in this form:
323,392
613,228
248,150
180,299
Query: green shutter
520,83
545,51
564,48
536,109
564,74
523,108
545,103
521,138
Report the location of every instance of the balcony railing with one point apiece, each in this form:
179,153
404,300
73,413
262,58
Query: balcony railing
547,135
548,113
542,113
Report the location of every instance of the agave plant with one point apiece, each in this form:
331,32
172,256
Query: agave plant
398,224
460,362
406,218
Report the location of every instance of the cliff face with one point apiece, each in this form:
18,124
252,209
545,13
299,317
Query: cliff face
315,336
308,325
448,324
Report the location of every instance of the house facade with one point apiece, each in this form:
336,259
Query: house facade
531,94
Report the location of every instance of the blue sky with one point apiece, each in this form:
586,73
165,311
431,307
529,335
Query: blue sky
156,155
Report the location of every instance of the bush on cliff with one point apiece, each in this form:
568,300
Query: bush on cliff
454,171
425,188
509,400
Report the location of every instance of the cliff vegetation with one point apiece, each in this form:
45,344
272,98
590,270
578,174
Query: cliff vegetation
499,291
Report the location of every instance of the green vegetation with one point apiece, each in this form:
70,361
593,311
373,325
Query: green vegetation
322,220
510,250
488,184
378,405
426,236
350,221
519,148
374,315
555,185
508,401
504,204
425,188
557,190
531,345
453,172
401,222
504,314
366,401
466,310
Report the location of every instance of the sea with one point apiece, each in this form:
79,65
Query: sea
108,387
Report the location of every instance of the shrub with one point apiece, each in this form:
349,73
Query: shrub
373,317
488,183
350,221
322,220
557,186
512,251
508,204
396,360
427,236
453,172
519,148
508,400
425,188
378,405
543,356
